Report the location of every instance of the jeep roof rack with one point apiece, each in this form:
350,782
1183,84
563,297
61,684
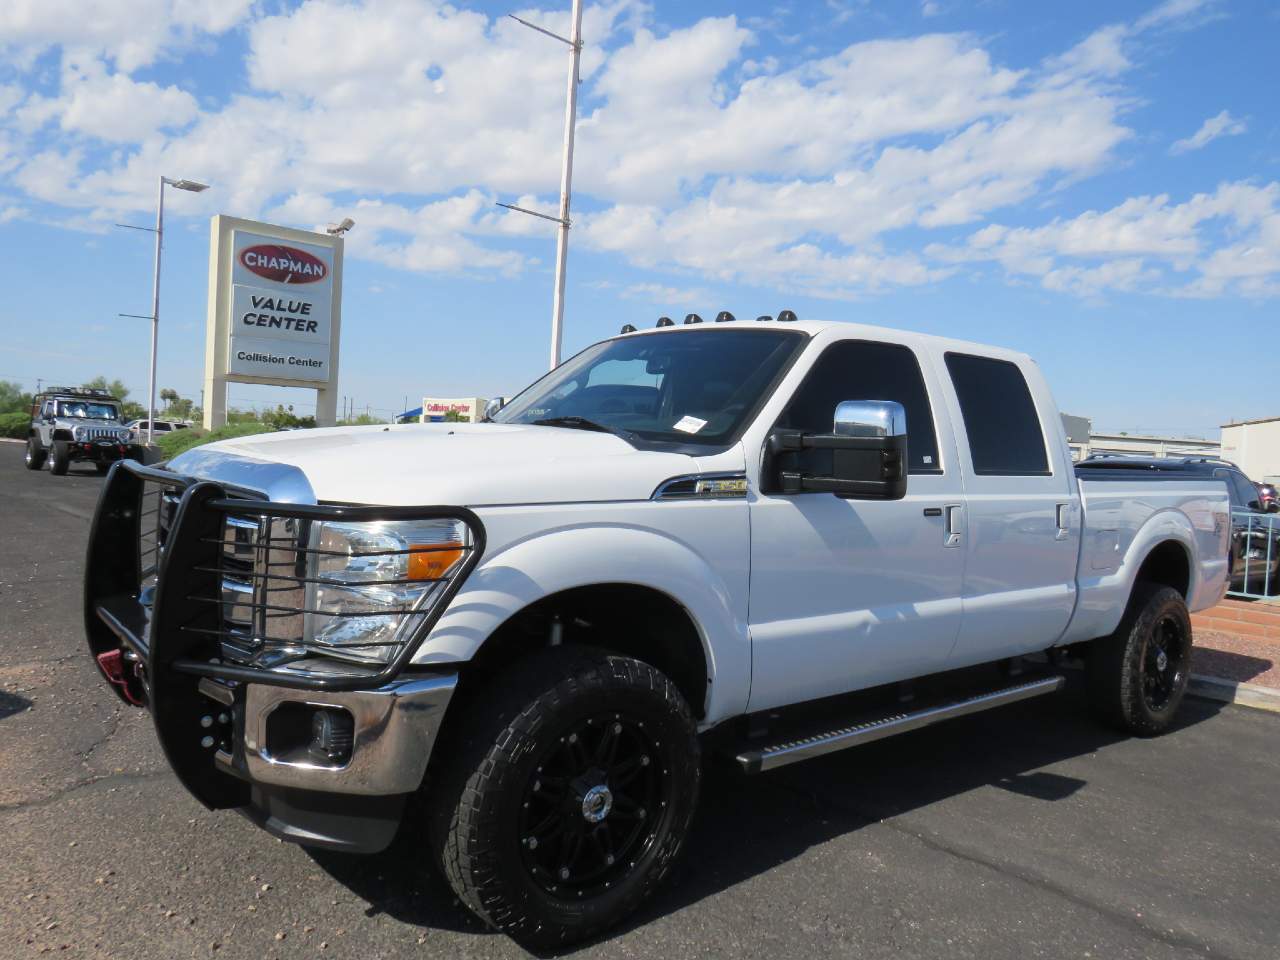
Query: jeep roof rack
77,392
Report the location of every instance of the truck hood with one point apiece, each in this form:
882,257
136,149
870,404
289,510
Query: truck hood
462,464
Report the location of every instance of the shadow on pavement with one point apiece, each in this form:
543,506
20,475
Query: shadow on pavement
748,825
1229,665
11,703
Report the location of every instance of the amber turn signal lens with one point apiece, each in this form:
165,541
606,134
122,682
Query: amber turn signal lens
431,561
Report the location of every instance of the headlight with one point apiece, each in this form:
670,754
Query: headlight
372,584
122,435
79,433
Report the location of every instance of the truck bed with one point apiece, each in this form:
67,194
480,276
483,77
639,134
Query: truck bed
1130,509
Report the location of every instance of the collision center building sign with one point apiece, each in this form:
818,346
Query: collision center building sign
274,307
281,308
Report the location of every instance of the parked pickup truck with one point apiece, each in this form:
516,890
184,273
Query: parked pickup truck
771,540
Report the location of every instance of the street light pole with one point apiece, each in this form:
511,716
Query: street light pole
192,186
574,41
566,183
155,312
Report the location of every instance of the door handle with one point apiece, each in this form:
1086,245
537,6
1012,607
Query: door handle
1062,516
953,525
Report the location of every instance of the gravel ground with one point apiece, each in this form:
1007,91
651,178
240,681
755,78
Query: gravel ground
1231,657
1019,833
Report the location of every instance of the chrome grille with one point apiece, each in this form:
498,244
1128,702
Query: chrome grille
261,598
98,433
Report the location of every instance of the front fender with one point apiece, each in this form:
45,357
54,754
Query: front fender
530,569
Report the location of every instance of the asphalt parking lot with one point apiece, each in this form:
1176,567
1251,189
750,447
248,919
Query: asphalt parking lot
1026,832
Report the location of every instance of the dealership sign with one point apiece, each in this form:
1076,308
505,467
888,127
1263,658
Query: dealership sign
274,309
281,308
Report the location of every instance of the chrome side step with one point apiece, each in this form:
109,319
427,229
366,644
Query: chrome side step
779,755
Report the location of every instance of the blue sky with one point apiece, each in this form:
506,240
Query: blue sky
1095,183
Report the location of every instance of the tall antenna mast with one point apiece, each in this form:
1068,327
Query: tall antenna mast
574,41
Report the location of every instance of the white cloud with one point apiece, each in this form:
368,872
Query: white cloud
1222,125
695,154
109,106
130,32
1146,243
675,299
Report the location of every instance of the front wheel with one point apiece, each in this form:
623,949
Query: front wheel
566,792
35,454
59,458
1138,675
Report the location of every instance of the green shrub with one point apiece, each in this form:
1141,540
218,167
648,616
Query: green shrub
15,424
172,444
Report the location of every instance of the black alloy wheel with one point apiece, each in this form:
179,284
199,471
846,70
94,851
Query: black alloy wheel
592,806
1138,675
1164,662
561,792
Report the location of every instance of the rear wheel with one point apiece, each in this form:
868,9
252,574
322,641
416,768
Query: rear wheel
1138,675
565,794
35,454
59,458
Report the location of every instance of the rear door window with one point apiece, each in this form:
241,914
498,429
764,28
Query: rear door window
867,370
1005,437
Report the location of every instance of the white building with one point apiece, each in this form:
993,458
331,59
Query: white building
1085,443
1254,446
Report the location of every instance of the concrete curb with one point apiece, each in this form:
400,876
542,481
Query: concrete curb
10,440
1229,691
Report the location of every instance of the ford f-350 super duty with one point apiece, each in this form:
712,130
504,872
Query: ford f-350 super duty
770,539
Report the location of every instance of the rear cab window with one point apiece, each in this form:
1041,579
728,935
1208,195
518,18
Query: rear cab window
1006,438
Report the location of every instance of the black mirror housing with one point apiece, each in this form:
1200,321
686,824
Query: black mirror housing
863,458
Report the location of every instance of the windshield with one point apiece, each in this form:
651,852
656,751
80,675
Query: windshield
87,410
686,387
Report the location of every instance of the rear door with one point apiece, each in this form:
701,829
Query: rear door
1022,506
847,594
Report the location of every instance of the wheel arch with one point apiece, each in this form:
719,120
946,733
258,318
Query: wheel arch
635,620
1167,563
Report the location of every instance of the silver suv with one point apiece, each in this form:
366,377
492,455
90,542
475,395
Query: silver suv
77,424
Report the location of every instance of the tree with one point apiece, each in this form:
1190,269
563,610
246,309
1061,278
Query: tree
12,397
114,387
169,395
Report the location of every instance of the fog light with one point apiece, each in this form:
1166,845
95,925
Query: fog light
332,736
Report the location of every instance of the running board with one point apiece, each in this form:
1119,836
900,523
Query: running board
779,755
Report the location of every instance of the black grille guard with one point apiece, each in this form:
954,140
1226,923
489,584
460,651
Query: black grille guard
177,639
182,628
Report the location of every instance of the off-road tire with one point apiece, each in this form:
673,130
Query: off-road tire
1122,670
35,454
492,755
59,458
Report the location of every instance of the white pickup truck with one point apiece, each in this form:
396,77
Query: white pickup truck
776,539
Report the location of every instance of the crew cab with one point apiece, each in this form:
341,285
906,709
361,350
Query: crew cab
772,540
69,425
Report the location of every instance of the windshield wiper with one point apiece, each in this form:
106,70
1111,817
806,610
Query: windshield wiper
582,423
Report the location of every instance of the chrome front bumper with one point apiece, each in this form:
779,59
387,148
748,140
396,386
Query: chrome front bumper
395,728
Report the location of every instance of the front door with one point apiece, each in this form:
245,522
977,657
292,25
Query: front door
848,594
